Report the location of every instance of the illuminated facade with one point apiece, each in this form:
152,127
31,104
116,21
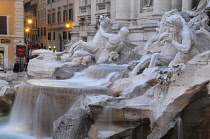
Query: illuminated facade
30,20
41,23
11,31
60,21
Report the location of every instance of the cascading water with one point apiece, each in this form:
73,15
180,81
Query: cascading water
179,128
103,70
39,102
107,115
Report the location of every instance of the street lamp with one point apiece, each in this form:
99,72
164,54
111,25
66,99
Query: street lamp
67,25
70,24
30,21
27,30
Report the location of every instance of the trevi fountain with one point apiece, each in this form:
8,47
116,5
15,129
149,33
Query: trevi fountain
103,89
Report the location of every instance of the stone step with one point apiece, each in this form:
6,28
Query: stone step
118,114
109,131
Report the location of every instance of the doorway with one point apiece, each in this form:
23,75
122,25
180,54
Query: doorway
1,60
60,42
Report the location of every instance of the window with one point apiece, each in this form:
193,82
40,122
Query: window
39,17
49,36
1,60
84,2
69,35
38,32
49,18
34,12
44,31
3,25
70,14
33,25
53,17
64,35
101,7
64,15
53,35
41,31
58,16
44,13
33,37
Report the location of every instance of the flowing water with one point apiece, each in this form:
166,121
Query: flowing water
39,102
12,132
179,128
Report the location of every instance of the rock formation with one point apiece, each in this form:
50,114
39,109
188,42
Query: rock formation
150,104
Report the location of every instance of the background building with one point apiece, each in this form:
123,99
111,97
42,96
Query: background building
11,31
41,23
60,21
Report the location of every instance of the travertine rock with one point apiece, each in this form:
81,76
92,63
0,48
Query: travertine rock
9,76
185,83
4,85
73,125
5,105
5,100
67,72
44,68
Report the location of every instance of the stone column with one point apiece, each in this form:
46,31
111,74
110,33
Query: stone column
176,4
75,30
123,9
186,5
93,11
19,20
134,12
76,12
122,14
161,6
113,9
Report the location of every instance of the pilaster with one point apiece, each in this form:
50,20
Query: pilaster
19,22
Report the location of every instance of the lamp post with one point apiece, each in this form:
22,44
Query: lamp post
67,25
70,24
27,30
29,21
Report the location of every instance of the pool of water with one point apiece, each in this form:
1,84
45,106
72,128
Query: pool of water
12,132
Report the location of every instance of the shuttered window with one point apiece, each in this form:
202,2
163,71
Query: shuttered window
3,25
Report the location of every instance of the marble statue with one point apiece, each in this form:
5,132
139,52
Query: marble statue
182,38
82,48
167,53
115,44
178,41
201,6
200,28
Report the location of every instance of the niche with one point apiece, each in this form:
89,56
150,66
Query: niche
195,4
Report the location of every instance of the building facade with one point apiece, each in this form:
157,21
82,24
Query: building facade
11,31
60,21
41,23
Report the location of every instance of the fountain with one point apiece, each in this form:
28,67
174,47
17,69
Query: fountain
39,102
116,106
